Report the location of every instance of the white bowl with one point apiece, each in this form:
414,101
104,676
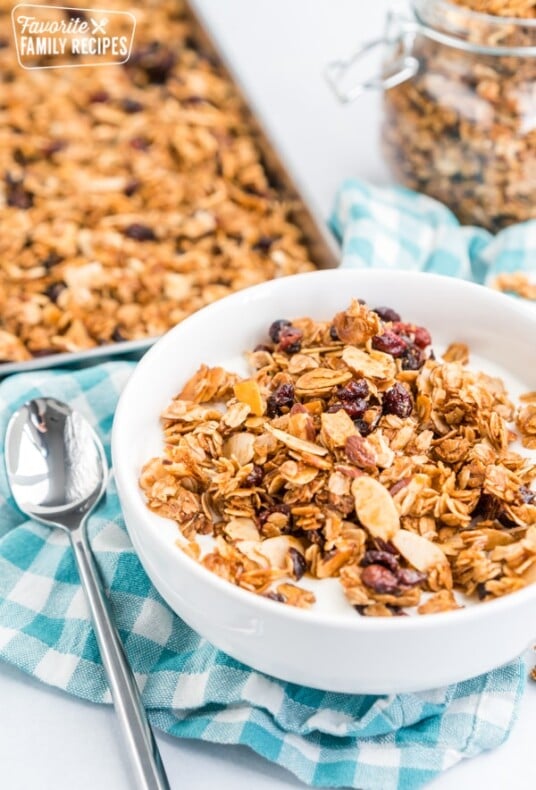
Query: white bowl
330,646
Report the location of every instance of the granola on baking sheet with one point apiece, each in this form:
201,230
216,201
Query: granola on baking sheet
352,452
130,196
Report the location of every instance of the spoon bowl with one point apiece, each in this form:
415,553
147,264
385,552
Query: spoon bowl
57,471
55,462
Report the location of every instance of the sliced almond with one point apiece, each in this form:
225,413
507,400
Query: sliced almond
297,473
418,551
240,446
235,415
337,427
373,364
375,507
242,529
300,445
320,381
248,392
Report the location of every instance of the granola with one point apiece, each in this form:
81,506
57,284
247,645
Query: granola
130,196
522,9
460,130
517,283
392,470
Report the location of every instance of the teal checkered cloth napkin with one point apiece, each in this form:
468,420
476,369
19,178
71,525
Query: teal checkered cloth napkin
193,690
395,228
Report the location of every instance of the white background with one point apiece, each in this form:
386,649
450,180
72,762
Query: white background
49,740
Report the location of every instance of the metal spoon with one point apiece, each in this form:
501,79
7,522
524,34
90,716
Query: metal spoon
57,471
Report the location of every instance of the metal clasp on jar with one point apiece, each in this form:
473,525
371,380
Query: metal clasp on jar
400,32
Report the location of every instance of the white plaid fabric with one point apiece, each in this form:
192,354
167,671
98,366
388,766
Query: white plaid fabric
193,690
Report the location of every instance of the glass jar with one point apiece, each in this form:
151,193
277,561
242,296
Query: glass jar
459,108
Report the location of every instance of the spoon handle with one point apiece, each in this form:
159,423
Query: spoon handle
138,735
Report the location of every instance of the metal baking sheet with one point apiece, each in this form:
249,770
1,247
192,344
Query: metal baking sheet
323,249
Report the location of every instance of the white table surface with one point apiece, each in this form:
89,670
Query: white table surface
49,740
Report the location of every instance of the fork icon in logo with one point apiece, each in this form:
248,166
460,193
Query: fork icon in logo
99,27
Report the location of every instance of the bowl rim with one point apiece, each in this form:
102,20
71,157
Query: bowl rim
336,620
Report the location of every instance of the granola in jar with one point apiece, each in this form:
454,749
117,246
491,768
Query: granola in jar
130,196
351,452
461,128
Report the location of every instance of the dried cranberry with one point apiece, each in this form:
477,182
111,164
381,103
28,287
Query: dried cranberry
54,290
276,328
264,243
255,477
384,558
275,596
380,579
299,566
99,97
354,390
131,187
43,352
20,157
387,313
252,189
334,335
281,398
131,106
390,343
74,14
422,337
17,196
355,408
407,577
140,232
117,335
412,359
290,340
155,60
481,591
195,101
51,260
53,147
397,401
140,143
